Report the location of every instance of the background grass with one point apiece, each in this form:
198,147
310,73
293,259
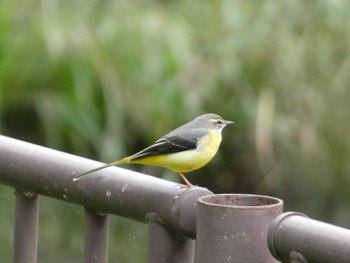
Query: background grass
103,79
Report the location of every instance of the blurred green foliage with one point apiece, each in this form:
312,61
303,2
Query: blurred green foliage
103,79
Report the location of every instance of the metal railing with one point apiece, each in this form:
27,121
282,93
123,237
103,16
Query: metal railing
293,237
167,209
227,227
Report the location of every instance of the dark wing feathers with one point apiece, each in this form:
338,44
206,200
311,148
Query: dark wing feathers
172,143
167,145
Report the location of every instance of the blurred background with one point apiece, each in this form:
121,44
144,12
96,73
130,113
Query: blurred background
103,79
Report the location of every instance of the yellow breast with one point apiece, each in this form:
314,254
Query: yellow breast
190,160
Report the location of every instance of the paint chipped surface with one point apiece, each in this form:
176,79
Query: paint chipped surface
125,187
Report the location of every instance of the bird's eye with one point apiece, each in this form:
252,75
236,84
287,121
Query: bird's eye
219,122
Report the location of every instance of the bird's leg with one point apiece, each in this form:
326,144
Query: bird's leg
188,184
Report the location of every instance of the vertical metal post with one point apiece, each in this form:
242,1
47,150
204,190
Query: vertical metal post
26,228
164,247
96,237
233,228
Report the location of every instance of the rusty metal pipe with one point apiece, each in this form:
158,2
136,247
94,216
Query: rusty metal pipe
233,228
26,228
96,237
164,247
167,246
118,191
293,237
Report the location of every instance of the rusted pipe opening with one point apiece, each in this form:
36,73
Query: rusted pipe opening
240,201
233,227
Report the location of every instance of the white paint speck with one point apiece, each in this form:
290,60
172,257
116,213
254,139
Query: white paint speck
125,187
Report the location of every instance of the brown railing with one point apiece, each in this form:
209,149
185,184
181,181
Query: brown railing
34,170
227,228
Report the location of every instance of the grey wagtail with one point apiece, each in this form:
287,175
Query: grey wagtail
187,148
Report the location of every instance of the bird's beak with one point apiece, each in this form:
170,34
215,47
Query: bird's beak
228,122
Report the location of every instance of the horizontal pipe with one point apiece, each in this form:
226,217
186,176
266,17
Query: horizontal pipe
293,237
33,168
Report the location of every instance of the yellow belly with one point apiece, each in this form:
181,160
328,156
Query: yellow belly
187,161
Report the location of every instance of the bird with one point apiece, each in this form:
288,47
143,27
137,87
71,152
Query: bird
185,149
